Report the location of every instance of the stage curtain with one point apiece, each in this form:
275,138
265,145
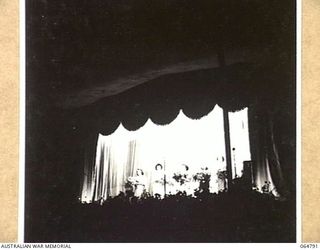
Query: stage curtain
112,170
89,173
199,144
264,151
195,93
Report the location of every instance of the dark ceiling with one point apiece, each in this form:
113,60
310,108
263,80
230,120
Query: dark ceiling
79,51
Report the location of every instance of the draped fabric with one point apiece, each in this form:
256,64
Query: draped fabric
183,142
89,173
198,144
195,93
106,165
264,151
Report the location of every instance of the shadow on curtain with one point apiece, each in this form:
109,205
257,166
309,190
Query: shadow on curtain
264,151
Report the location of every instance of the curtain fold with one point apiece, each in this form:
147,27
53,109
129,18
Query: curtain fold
107,168
199,145
264,152
195,93
89,170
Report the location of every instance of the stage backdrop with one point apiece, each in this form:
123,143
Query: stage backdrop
198,144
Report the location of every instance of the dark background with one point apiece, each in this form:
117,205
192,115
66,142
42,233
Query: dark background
76,47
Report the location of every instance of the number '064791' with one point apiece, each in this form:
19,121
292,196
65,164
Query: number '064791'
309,246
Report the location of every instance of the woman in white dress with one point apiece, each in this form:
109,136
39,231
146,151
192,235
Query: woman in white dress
158,181
140,183
186,187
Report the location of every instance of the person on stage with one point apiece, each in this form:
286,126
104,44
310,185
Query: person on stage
158,181
183,179
139,183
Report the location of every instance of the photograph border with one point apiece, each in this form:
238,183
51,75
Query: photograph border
307,69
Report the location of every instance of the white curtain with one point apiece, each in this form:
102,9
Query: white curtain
198,144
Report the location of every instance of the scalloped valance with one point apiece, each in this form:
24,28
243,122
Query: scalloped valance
195,93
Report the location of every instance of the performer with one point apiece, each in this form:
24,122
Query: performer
183,180
158,181
222,180
139,183
205,180
202,180
187,186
